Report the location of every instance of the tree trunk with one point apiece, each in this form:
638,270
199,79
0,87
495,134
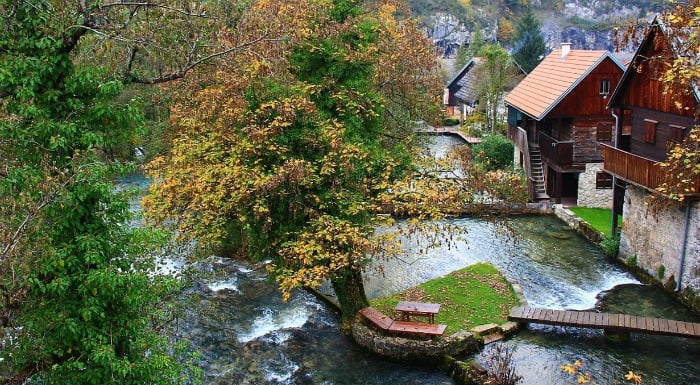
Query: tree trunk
350,290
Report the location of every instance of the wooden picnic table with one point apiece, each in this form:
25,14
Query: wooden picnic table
420,309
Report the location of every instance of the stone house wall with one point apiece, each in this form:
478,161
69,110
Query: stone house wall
588,194
652,237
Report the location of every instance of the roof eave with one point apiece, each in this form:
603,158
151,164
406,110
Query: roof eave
460,73
524,112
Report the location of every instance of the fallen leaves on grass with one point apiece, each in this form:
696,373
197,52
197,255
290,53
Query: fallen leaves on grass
494,281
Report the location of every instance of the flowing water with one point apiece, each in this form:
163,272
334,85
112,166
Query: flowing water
234,315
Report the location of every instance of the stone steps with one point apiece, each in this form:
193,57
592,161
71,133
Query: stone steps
493,332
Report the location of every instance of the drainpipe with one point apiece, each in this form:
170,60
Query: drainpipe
613,217
684,242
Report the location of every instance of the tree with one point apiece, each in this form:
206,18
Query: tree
505,30
476,42
682,169
496,71
529,42
282,159
468,51
80,303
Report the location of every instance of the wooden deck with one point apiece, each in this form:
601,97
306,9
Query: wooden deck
610,322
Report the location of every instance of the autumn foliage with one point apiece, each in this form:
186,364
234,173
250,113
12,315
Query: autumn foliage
280,154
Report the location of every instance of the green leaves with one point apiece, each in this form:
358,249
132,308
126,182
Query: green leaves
77,277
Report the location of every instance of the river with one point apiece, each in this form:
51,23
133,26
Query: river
247,335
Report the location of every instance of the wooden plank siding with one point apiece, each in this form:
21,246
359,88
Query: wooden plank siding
657,150
645,89
613,322
568,146
585,99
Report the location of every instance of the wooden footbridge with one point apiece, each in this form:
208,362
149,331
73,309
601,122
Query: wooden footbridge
618,323
451,130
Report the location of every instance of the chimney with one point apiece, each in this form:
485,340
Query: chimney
565,49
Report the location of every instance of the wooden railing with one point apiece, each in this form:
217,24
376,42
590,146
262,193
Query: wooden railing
518,136
632,168
557,152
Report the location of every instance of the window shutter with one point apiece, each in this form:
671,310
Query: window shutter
650,130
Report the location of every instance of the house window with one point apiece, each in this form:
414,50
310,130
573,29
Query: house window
650,131
604,132
603,180
604,87
676,134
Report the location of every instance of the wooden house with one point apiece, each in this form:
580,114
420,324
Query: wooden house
461,94
557,119
650,117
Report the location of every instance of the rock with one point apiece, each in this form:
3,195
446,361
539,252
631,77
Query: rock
509,327
485,329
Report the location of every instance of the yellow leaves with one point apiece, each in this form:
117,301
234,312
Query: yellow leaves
571,368
575,369
634,377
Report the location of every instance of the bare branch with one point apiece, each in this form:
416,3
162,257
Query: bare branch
180,73
199,13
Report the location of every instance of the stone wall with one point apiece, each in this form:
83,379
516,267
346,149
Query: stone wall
652,238
407,349
588,195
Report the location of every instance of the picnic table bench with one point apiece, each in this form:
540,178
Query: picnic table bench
417,309
378,318
417,328
385,322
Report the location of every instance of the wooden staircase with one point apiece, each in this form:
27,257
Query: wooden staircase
537,174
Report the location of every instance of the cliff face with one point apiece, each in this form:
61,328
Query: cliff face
587,24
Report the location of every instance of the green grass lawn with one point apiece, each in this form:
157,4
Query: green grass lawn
598,218
469,297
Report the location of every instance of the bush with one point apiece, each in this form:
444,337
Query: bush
450,122
500,366
611,245
495,152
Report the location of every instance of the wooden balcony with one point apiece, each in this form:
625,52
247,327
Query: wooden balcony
556,152
635,169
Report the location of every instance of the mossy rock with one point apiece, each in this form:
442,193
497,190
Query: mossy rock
559,235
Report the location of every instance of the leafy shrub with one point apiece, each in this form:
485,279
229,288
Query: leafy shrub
611,246
661,271
450,121
495,152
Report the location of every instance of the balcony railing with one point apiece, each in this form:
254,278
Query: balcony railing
560,153
634,168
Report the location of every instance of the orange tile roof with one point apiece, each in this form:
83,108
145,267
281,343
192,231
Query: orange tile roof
552,80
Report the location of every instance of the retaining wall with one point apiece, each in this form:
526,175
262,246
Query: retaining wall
652,238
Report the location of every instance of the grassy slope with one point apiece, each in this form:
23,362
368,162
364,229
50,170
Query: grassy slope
598,218
472,296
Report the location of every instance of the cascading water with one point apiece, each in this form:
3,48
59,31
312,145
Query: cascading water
247,335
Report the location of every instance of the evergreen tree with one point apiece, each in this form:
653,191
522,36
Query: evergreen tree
462,58
529,42
476,42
